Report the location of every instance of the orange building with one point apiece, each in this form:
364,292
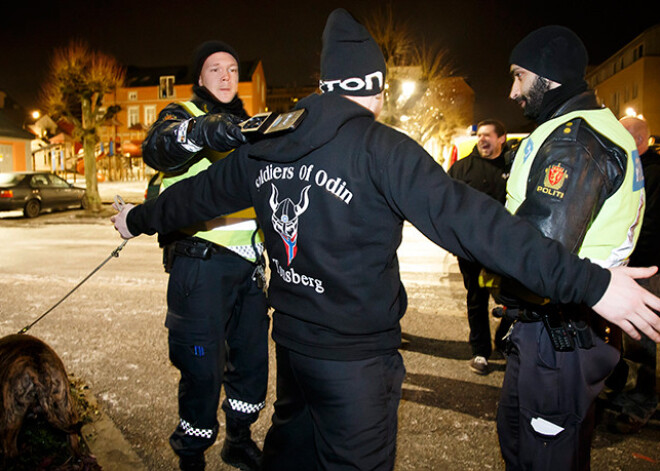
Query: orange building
15,154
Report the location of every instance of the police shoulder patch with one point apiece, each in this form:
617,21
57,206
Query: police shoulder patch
555,177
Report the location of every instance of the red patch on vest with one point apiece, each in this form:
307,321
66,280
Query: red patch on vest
555,176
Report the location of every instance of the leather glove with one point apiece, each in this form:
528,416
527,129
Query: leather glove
216,131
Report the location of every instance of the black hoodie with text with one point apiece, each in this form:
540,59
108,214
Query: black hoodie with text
332,197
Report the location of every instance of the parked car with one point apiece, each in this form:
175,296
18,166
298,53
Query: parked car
34,192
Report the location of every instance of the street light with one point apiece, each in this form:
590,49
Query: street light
631,113
407,90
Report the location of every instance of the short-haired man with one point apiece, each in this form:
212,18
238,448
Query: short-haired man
486,169
332,198
216,311
578,180
637,404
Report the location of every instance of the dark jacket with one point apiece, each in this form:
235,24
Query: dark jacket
331,198
485,175
647,252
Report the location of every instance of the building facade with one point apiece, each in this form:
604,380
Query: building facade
15,155
629,81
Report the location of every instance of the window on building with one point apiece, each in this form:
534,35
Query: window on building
132,96
614,105
133,115
166,87
149,115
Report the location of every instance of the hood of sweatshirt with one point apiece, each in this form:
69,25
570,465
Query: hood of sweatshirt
326,114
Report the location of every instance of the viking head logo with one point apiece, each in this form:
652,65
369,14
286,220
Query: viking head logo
285,219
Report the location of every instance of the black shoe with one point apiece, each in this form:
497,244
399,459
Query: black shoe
192,463
626,424
498,312
244,454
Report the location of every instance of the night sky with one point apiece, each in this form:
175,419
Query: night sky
286,36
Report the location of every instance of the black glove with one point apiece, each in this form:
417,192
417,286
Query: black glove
216,131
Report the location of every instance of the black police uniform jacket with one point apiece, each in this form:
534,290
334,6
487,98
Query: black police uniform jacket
332,197
161,149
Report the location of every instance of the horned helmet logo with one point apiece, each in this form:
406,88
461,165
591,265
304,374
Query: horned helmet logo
285,219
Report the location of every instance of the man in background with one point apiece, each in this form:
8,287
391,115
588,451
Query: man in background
637,404
486,170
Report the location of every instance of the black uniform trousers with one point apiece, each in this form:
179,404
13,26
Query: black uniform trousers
545,418
218,334
334,415
477,312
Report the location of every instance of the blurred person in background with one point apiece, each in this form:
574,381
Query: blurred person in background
486,169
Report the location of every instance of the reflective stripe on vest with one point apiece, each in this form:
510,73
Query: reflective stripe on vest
611,237
231,230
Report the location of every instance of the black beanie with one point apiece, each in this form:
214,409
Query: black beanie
553,52
206,49
351,61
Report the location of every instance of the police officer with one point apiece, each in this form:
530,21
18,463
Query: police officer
217,312
577,179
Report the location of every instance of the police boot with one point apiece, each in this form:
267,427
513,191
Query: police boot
239,450
192,463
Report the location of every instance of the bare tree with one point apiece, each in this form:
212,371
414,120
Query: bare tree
78,81
393,35
421,97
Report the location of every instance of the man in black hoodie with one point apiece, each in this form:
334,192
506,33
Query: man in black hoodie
216,312
486,170
332,198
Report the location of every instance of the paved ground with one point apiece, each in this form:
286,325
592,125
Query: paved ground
110,333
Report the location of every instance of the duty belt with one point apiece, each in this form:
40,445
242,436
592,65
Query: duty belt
565,334
194,247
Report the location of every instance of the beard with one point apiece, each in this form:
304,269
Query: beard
533,99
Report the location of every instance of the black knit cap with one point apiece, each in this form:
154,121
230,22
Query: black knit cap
554,52
351,61
206,49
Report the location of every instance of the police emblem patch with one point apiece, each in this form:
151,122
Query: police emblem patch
555,176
